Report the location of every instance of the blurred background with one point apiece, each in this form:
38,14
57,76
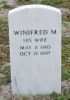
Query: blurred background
5,75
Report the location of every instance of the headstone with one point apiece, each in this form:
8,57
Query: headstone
35,49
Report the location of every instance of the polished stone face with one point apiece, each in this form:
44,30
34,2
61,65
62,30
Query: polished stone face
35,49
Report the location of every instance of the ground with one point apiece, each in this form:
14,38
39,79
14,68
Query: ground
5,75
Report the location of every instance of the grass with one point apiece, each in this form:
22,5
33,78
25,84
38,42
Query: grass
66,23
65,49
4,32
48,2
1,62
66,26
20,2
53,2
64,96
66,73
66,58
4,41
6,6
6,76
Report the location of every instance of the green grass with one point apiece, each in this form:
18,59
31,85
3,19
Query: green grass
6,76
6,6
64,96
66,58
20,2
65,49
48,2
4,39
1,62
66,73
66,23
53,2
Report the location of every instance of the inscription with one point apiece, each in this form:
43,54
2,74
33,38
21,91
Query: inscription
34,32
35,50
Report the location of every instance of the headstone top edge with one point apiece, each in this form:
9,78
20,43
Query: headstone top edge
34,6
